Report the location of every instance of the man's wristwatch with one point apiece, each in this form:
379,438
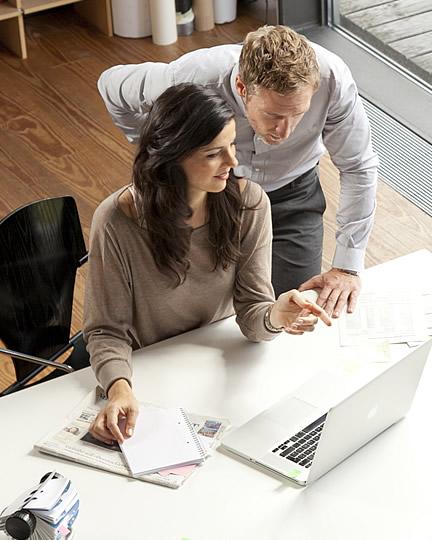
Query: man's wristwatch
350,272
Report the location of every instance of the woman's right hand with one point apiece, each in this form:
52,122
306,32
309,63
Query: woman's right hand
121,404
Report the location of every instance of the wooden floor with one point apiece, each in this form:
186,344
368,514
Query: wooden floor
400,28
56,137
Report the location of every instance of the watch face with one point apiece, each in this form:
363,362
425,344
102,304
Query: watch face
350,272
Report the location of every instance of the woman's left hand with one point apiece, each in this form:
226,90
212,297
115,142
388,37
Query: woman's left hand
293,312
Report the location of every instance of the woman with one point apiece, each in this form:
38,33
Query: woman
186,233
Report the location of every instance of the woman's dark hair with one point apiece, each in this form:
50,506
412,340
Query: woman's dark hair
183,119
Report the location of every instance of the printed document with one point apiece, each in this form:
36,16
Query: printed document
394,316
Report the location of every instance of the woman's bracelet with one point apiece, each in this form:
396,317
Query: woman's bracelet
267,323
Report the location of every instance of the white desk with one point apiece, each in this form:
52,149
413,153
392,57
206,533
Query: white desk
374,495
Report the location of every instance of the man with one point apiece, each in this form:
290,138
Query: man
292,100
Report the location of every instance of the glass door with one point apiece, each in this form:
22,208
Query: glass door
400,30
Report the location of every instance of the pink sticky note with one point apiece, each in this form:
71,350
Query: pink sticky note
182,471
63,530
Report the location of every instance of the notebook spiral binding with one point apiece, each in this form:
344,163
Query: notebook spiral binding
193,433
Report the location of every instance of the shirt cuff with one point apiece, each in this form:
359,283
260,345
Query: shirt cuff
349,258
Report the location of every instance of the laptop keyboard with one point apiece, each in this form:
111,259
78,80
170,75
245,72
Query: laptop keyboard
300,448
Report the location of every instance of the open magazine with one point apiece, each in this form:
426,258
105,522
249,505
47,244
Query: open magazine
74,442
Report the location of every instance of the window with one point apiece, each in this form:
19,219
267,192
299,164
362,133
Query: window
400,84
400,30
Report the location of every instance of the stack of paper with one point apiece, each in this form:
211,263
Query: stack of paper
72,440
393,316
52,506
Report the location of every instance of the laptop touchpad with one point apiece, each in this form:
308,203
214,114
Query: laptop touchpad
324,389
262,432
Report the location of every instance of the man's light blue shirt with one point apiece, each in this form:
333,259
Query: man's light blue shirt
336,122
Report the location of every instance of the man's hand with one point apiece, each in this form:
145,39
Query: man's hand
121,405
337,290
293,312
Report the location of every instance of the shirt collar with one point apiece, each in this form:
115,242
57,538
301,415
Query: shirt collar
237,98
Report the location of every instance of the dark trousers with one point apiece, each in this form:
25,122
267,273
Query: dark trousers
297,216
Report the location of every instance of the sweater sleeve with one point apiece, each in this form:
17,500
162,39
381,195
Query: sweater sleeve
253,292
108,305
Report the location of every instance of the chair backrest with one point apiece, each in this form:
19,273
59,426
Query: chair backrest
41,245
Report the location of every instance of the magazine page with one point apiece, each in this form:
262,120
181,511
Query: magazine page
74,442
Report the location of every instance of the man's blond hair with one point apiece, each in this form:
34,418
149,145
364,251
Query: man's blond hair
279,59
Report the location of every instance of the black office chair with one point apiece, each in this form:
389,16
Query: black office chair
41,247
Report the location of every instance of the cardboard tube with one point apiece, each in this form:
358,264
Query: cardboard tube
204,16
224,11
163,21
131,18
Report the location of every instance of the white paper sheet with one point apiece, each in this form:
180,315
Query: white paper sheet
397,316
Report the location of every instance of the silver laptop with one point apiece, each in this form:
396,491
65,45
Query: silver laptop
301,440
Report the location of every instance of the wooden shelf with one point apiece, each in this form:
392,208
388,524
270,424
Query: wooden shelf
12,33
8,12
34,6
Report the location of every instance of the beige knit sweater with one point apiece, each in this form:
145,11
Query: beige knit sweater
129,303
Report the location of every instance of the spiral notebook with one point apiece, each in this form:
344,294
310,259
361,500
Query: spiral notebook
162,439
